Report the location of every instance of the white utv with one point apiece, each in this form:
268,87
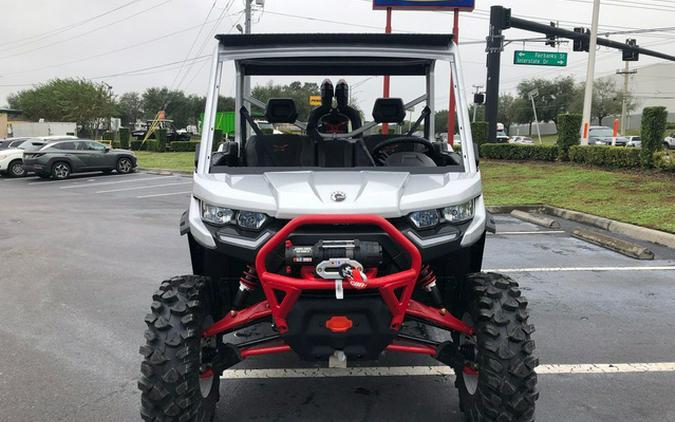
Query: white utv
337,236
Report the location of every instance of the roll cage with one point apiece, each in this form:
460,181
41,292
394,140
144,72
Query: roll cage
325,54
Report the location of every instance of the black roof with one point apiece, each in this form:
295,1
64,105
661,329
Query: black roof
439,41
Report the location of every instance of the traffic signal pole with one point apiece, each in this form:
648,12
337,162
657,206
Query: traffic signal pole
495,44
501,19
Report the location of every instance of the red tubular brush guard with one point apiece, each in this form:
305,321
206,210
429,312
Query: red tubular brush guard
293,287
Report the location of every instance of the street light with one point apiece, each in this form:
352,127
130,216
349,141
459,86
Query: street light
532,95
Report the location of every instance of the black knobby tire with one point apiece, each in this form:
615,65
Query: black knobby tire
124,166
498,381
172,389
15,169
61,170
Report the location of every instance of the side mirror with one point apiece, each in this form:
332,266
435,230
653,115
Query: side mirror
197,154
107,149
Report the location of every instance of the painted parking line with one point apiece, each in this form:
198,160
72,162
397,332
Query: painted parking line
144,187
162,194
89,179
400,371
137,179
528,232
572,269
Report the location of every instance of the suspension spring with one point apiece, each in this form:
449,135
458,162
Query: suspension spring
247,282
427,281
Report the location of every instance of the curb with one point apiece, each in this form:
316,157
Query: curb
164,172
617,245
537,219
630,230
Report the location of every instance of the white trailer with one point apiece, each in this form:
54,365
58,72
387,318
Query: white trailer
22,129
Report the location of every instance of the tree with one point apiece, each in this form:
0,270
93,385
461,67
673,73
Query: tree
441,121
72,100
607,99
182,109
507,113
298,91
129,108
555,97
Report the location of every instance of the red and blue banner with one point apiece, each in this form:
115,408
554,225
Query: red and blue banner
425,4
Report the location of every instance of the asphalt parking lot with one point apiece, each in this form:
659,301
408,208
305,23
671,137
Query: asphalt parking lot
80,258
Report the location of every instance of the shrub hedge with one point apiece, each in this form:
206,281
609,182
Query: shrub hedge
479,132
124,137
665,160
605,156
654,121
569,126
519,152
162,135
183,146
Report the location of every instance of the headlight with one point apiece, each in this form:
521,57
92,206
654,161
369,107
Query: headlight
458,213
425,219
219,216
216,215
250,220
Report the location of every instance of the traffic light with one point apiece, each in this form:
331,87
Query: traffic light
631,55
550,38
581,44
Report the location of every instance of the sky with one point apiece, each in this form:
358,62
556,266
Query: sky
135,44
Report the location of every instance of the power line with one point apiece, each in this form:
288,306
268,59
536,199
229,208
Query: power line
194,41
87,32
208,36
128,47
34,38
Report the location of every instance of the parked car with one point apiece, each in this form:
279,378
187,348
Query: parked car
634,142
171,133
11,160
60,159
523,140
602,135
669,141
10,143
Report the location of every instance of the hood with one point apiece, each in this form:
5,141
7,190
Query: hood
290,194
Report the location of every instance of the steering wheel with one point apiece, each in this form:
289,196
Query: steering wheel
381,156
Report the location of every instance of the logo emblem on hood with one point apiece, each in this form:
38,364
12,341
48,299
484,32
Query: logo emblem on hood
338,196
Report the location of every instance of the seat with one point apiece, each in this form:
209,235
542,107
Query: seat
388,110
284,150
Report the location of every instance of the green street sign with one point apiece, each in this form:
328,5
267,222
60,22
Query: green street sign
539,58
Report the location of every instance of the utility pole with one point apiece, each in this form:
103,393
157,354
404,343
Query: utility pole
590,72
247,19
626,72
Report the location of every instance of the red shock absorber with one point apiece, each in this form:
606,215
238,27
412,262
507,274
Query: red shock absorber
247,282
427,281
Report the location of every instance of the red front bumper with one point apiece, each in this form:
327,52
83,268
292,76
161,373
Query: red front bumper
395,289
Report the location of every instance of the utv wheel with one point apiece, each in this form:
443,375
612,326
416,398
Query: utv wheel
60,170
15,169
124,166
177,381
497,381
